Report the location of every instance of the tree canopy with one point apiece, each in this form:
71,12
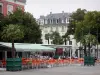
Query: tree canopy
56,38
76,16
66,38
11,33
31,28
90,24
47,37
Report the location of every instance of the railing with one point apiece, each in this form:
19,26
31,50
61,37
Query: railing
45,63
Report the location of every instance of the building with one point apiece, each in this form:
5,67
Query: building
56,22
53,22
55,19
7,6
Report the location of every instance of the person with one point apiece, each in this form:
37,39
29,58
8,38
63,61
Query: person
95,59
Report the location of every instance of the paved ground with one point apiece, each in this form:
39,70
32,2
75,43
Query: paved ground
68,70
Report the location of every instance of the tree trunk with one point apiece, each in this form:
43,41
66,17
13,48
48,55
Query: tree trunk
13,50
48,41
85,53
89,49
65,41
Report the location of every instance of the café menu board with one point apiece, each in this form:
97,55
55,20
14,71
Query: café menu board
23,1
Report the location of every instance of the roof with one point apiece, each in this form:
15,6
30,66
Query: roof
56,16
54,25
27,47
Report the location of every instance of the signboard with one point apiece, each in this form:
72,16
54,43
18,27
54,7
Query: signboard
59,51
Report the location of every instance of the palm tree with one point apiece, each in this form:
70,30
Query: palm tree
88,40
56,38
66,38
47,37
12,32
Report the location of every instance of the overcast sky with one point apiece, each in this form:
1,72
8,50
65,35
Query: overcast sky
44,7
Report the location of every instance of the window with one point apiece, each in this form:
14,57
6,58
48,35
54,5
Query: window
62,21
48,21
9,9
70,42
51,21
54,21
67,20
57,21
41,22
0,8
19,7
45,21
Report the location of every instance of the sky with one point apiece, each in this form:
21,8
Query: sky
44,7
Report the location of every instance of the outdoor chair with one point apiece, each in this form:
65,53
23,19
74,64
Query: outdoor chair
1,64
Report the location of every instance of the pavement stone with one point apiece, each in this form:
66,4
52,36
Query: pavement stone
66,70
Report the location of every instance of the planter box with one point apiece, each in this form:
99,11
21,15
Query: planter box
14,64
89,61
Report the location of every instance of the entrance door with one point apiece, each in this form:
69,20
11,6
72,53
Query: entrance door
1,55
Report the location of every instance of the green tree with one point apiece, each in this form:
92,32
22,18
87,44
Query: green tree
88,40
30,26
92,23
1,25
47,37
88,28
12,32
66,38
56,38
76,16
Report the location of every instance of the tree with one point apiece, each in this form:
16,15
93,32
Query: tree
92,21
66,38
88,40
1,19
90,24
47,37
77,16
56,38
1,25
88,28
30,26
12,32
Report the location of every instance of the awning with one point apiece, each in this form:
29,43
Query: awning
27,47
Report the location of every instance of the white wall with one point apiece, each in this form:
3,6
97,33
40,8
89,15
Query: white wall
47,29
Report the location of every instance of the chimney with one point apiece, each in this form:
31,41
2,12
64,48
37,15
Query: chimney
63,12
50,12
